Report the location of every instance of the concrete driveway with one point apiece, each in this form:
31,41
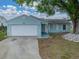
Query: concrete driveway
19,48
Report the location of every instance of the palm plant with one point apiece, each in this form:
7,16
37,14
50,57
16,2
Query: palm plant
70,6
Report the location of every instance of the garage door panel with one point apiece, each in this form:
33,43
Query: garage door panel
24,30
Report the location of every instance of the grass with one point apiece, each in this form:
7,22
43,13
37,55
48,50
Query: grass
58,48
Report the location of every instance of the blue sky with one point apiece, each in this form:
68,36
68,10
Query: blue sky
18,8
11,2
8,2
5,3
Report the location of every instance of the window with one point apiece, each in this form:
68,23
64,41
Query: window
53,26
64,27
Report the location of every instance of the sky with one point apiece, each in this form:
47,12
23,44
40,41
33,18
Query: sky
10,8
4,3
9,4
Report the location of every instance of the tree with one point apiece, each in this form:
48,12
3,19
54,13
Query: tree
70,6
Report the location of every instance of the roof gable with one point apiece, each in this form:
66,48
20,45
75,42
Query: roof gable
25,16
24,19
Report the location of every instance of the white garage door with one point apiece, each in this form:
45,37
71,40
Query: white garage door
24,30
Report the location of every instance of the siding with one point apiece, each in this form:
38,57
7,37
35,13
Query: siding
24,20
55,28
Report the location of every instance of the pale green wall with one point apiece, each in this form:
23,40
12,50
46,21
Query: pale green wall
54,28
24,20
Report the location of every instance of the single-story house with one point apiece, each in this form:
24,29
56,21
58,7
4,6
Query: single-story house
25,25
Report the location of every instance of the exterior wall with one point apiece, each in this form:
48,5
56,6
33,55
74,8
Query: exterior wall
24,20
8,30
55,28
69,27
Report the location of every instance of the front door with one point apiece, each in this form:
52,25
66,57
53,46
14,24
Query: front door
43,28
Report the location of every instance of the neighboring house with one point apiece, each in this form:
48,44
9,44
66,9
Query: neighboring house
24,25
3,21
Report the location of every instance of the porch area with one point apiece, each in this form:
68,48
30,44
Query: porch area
44,31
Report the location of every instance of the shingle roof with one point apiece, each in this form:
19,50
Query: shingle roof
59,21
50,20
57,16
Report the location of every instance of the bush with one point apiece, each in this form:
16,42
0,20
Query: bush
2,35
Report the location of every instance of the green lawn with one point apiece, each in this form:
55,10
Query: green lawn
58,48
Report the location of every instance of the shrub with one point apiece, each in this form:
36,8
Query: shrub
2,35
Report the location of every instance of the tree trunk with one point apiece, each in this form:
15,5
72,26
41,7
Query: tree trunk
75,26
